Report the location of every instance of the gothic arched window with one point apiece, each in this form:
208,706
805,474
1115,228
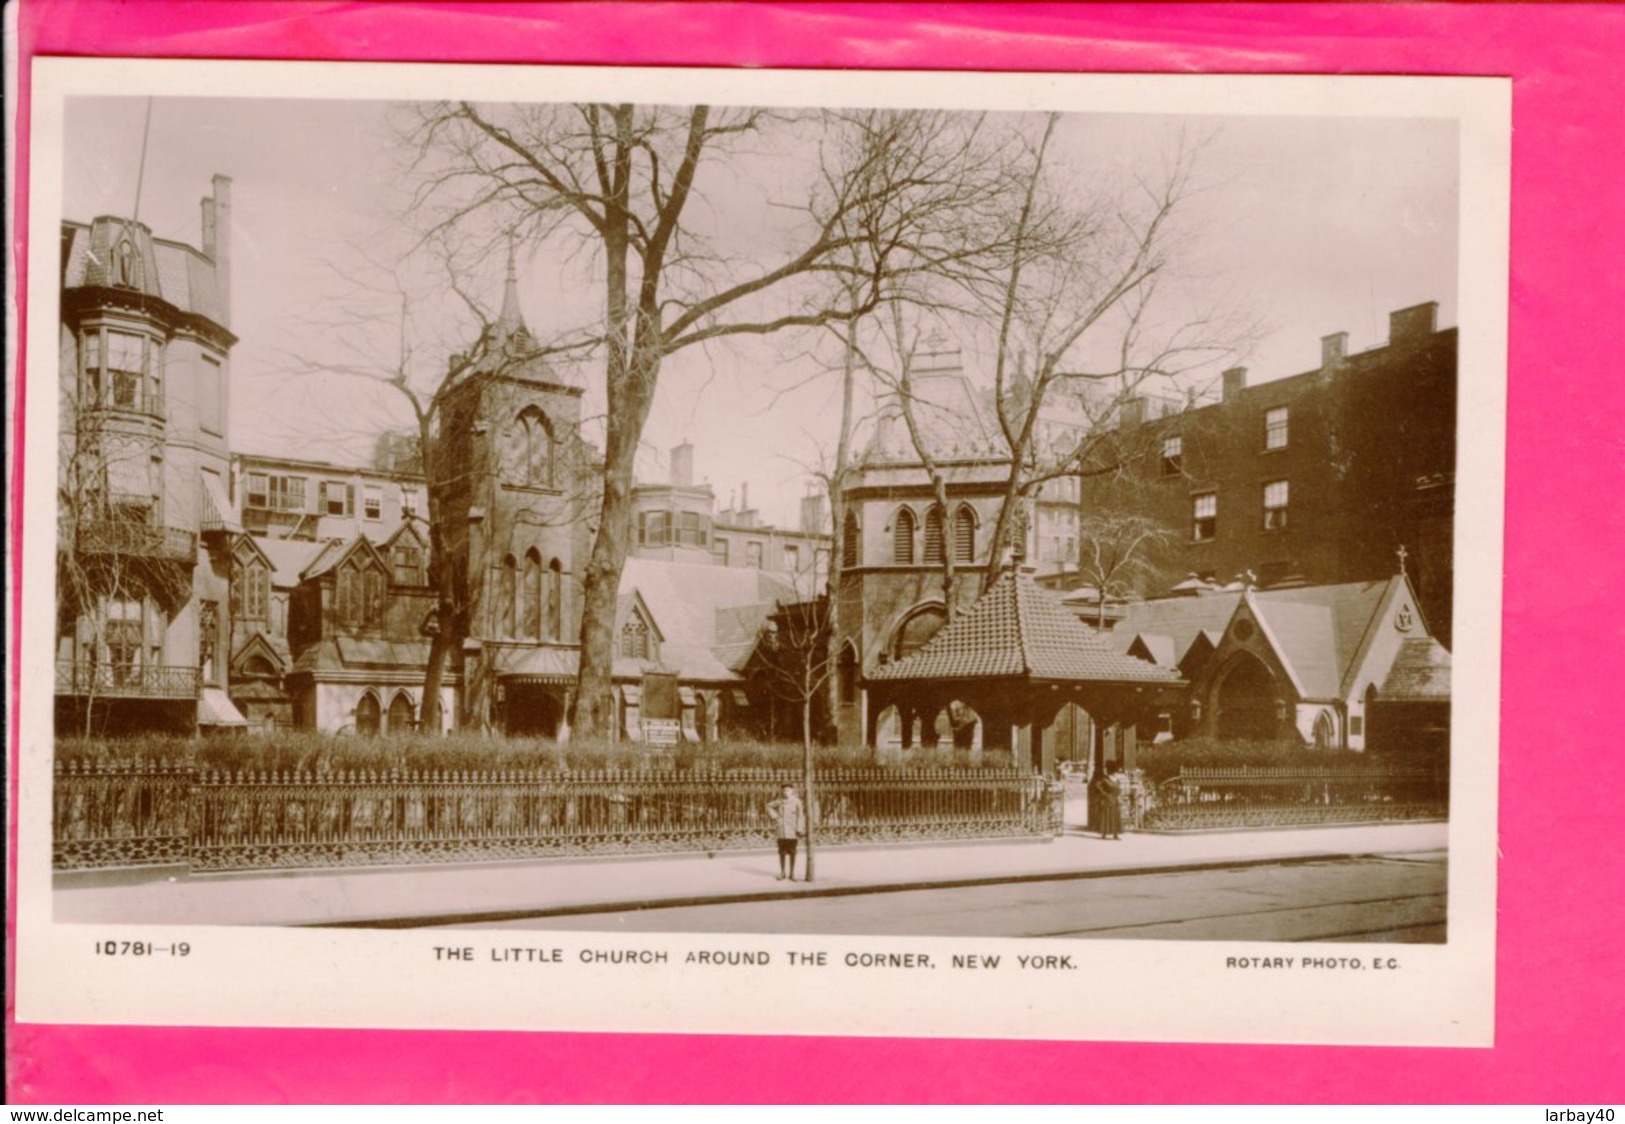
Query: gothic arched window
965,534
933,536
903,538
507,589
634,639
536,449
530,597
555,597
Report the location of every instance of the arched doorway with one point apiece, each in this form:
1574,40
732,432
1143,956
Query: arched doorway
532,710
1246,700
402,714
367,714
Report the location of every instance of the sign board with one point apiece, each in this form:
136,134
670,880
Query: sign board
660,697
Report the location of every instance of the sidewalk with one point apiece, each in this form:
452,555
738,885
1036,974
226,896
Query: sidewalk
419,895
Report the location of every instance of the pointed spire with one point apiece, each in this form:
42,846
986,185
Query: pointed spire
510,321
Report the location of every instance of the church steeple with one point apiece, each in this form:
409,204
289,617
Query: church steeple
510,322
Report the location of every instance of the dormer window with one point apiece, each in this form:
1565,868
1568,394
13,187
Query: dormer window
635,640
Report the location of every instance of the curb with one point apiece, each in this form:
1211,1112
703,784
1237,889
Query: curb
425,921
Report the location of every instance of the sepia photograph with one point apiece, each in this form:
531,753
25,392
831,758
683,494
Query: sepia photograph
674,533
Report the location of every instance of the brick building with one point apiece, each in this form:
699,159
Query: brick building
1314,479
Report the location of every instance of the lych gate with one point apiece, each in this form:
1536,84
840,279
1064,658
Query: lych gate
1023,665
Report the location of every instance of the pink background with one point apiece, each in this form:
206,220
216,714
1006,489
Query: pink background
1562,874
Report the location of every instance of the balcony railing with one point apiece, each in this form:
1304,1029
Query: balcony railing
118,536
126,681
123,401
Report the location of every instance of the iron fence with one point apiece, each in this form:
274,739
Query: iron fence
111,815
1205,798
257,820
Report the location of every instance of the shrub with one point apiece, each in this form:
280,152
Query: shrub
310,752
1161,762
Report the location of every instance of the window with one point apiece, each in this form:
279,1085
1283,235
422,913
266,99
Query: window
719,551
535,449
964,534
530,597
555,599
250,592
654,528
933,536
507,591
1205,517
276,493
348,595
372,502
902,552
124,639
211,396
406,562
124,376
635,639
851,541
753,555
337,498
692,532
409,500
373,590
1275,428
792,557
1275,500
1173,455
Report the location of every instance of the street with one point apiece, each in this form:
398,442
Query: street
1397,899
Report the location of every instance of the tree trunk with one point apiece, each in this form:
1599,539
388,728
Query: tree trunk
807,772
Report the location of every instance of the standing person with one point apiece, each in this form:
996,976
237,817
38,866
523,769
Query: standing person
790,821
1105,811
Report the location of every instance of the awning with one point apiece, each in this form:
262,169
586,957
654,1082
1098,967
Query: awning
215,491
740,699
215,709
555,667
685,695
632,696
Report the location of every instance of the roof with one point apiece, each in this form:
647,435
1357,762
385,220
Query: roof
1158,649
949,416
1334,637
170,270
1304,638
288,558
1017,629
1181,619
559,665
351,653
1421,673
708,615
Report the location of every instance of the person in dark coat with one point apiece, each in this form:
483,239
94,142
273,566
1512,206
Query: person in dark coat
1105,811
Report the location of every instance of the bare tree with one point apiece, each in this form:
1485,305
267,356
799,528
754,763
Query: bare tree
1118,552
1085,294
636,186
793,664
116,559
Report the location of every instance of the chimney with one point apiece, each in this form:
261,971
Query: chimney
1411,325
217,241
1235,381
1333,349
682,465
1132,415
746,515
812,512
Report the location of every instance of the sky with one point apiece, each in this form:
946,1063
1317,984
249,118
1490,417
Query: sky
1318,224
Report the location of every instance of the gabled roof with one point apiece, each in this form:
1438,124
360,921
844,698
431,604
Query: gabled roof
288,558
1156,648
337,551
1181,619
274,649
1421,673
1336,636
1018,630
1304,638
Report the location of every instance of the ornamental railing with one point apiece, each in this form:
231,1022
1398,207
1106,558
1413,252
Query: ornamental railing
112,680
144,540
1207,798
261,820
137,815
